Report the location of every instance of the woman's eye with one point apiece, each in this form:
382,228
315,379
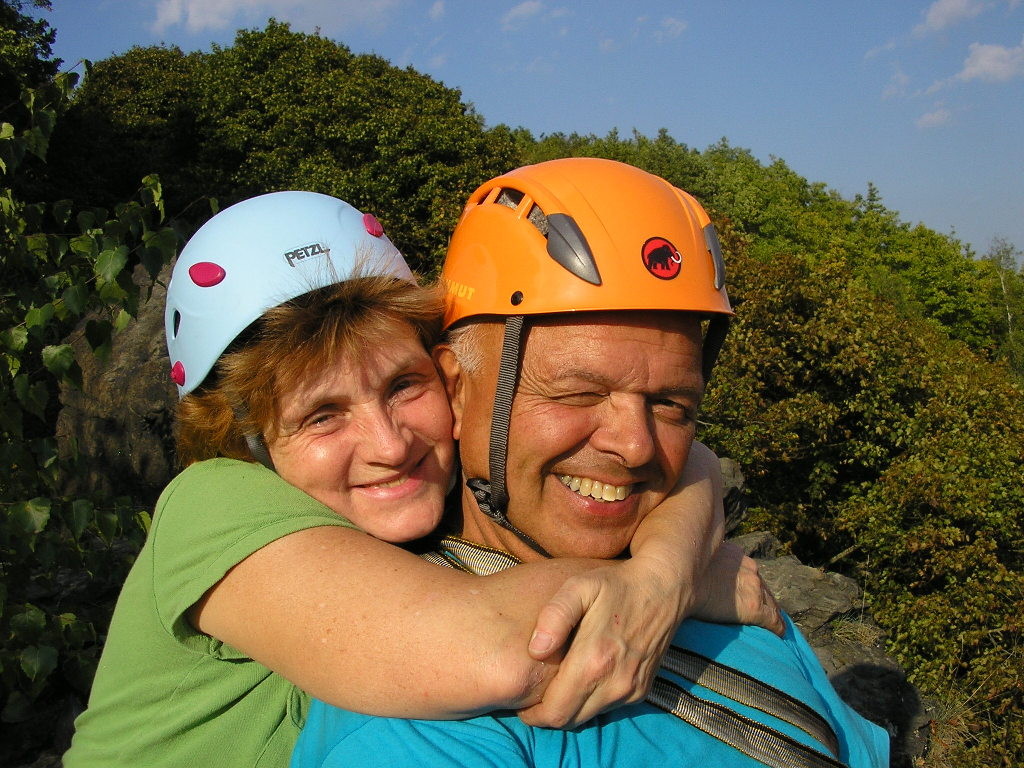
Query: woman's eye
406,386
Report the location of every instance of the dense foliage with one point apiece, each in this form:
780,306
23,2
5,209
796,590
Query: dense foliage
870,388
279,110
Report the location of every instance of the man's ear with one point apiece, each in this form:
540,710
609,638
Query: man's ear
454,383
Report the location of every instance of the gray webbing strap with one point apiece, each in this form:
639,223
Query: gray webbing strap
750,691
492,496
257,447
714,338
754,739
508,375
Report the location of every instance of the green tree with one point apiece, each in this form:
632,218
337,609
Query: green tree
26,57
875,444
282,110
1003,269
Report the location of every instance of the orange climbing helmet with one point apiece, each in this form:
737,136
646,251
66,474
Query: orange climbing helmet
572,235
582,234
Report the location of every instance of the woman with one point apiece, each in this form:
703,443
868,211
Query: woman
255,589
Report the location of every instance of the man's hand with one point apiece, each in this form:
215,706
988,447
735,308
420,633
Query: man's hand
733,592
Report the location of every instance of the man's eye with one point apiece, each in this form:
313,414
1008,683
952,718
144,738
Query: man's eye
582,399
672,411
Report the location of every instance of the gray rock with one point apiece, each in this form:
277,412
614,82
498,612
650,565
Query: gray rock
120,421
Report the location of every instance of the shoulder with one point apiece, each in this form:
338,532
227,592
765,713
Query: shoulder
224,475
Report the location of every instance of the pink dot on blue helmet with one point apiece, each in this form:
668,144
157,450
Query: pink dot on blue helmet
206,274
178,374
373,226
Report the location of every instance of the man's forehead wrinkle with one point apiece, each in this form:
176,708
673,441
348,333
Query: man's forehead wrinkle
556,366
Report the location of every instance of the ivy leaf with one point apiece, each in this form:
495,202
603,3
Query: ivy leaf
84,245
38,661
110,262
107,525
85,220
33,397
62,212
75,298
80,516
30,517
14,338
30,623
39,316
58,359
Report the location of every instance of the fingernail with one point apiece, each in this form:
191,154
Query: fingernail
541,642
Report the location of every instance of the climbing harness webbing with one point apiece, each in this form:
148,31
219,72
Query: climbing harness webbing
748,690
466,556
756,740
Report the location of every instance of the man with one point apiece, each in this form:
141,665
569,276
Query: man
587,309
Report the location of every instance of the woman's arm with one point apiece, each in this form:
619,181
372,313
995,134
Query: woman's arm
364,625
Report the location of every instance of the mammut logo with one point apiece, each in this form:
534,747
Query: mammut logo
305,252
661,258
458,290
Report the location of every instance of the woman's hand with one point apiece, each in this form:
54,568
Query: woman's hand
625,615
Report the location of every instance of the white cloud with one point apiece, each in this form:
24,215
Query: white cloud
607,45
945,13
436,10
669,28
993,63
879,49
934,119
199,15
520,13
897,85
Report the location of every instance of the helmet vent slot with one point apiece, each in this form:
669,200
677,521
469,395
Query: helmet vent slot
510,198
513,198
539,220
176,324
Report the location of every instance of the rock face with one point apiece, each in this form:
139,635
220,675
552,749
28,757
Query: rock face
121,422
829,609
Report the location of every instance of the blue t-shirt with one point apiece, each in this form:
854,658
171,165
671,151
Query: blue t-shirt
635,735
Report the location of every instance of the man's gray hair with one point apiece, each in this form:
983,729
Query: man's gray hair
467,344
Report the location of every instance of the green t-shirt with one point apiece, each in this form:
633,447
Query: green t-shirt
166,694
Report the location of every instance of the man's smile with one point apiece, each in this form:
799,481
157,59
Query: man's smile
595,489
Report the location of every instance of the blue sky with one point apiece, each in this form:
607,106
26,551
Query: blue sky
923,99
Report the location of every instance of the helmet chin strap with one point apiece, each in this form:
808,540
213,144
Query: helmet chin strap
259,451
492,496
257,446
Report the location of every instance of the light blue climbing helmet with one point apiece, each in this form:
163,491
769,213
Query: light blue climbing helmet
255,255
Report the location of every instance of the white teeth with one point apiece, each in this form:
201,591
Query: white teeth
594,488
